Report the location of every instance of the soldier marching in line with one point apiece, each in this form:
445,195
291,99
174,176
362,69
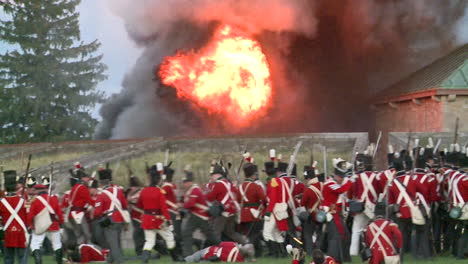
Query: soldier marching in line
424,190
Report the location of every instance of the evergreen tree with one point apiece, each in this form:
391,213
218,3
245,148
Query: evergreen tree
48,77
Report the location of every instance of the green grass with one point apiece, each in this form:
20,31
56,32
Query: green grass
408,260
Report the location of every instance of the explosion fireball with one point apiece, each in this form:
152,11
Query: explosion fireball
229,76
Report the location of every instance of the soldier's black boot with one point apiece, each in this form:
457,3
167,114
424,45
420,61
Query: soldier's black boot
272,250
282,250
175,255
145,256
37,256
59,256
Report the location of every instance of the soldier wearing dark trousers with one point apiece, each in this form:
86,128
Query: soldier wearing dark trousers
79,201
333,203
133,193
196,216
252,199
221,193
110,208
310,201
14,227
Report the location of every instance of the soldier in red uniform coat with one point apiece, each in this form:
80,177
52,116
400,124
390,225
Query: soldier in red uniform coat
80,200
334,203
318,257
85,253
136,213
221,193
111,210
171,200
156,218
365,190
224,252
311,201
396,200
252,199
195,215
50,204
459,199
13,220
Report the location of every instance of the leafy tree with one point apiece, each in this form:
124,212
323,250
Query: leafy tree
48,77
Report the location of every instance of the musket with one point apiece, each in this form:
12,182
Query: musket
409,141
26,174
293,158
241,163
147,167
325,169
166,158
2,181
437,146
377,145
455,137
51,177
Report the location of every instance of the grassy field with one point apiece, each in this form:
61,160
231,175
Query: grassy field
19,164
408,260
200,163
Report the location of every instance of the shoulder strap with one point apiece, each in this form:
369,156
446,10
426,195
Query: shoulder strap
243,193
46,204
404,194
14,214
115,203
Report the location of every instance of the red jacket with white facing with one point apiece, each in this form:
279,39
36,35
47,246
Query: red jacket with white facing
394,196
80,198
312,196
361,184
388,229
277,193
15,233
153,203
331,194
225,251
91,253
194,200
251,196
220,192
37,206
104,203
171,201
328,260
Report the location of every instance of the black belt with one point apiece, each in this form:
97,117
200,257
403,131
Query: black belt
251,205
77,208
153,212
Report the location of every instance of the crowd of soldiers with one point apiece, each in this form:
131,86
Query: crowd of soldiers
417,205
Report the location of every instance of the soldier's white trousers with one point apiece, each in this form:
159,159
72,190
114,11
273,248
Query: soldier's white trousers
271,231
164,232
53,236
360,222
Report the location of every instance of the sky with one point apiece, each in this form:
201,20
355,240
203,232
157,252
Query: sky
97,22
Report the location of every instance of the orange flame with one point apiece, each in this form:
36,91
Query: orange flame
229,76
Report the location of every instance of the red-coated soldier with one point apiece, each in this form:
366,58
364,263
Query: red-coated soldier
136,213
276,213
311,201
170,190
252,200
224,252
397,203
13,220
318,257
222,194
334,203
80,200
110,209
195,215
383,237
85,253
49,203
365,190
156,219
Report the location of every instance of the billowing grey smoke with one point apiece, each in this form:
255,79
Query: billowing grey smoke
327,58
